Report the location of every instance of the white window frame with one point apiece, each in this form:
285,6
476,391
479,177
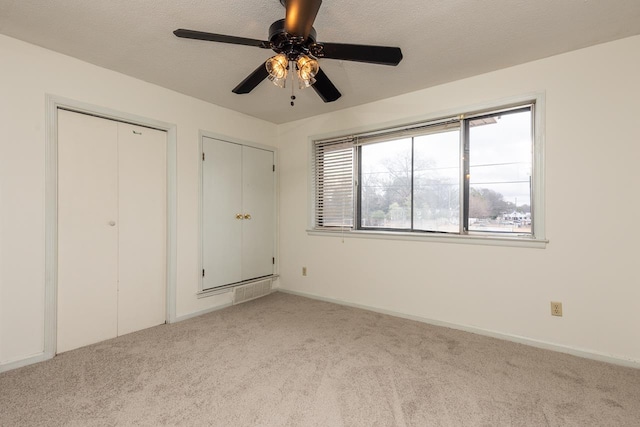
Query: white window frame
536,240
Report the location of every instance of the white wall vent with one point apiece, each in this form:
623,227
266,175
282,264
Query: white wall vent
251,291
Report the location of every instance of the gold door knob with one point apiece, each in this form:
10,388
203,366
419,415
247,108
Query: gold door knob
239,216
247,216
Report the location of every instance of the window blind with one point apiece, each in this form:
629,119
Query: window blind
418,129
333,165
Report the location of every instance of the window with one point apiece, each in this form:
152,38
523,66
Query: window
500,160
411,183
469,175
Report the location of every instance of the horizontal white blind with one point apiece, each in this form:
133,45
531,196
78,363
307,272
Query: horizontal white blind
418,129
333,165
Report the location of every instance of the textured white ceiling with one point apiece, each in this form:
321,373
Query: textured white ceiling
441,40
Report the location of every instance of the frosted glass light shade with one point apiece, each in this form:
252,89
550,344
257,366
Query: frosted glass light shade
277,69
307,69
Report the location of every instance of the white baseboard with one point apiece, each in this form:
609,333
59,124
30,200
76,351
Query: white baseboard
40,357
201,312
587,354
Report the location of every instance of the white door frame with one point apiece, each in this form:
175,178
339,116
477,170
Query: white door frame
53,103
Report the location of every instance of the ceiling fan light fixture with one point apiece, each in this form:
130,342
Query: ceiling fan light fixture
307,70
293,39
277,69
302,84
282,83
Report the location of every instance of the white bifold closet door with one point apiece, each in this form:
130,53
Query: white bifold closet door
111,229
238,213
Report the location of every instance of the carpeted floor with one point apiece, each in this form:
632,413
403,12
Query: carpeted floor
285,360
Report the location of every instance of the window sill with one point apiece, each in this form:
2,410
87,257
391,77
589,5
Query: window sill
471,239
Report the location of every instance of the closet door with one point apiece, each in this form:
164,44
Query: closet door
142,227
87,230
221,213
111,229
258,204
238,213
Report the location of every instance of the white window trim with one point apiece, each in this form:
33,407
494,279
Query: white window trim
538,198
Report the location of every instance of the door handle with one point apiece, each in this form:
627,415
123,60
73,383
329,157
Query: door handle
239,216
112,223
247,216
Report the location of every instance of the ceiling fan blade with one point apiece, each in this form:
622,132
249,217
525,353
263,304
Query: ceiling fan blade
382,55
199,35
252,80
300,17
324,88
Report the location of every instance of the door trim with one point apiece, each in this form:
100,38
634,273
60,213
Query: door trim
53,103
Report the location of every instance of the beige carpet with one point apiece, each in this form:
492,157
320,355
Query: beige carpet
284,360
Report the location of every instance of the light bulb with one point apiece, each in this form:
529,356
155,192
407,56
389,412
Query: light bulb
277,69
307,69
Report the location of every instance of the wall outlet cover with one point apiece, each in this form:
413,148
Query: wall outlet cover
556,308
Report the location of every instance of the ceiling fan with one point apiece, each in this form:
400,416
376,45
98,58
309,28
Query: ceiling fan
294,41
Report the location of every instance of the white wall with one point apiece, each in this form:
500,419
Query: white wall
590,263
27,74
592,147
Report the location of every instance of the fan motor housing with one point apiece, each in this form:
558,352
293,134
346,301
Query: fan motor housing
283,42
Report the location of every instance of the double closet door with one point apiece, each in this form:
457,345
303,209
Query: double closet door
238,213
111,229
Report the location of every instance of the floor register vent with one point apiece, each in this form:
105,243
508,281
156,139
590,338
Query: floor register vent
251,291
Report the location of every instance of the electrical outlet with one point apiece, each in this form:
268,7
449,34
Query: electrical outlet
556,308
304,271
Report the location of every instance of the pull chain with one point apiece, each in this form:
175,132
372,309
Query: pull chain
293,97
